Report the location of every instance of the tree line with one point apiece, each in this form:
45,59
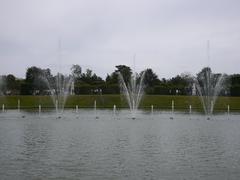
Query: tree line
40,81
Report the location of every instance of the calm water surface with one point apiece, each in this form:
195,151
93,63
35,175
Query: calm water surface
79,146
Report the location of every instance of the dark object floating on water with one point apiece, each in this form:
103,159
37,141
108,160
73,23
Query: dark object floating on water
171,118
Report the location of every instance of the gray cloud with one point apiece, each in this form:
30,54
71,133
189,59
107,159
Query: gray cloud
169,36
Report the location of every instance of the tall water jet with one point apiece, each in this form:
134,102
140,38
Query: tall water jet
76,108
95,109
63,90
59,88
209,86
133,91
190,109
228,110
172,109
114,109
39,109
172,106
95,106
3,108
19,105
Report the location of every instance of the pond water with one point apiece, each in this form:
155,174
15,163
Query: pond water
153,146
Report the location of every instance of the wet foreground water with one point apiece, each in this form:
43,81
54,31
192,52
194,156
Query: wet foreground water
153,146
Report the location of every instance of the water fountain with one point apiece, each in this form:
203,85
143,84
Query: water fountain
3,108
95,109
61,86
133,91
228,110
60,89
76,109
114,110
172,109
208,86
39,109
19,105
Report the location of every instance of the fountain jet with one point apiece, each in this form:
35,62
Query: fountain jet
209,86
60,89
133,91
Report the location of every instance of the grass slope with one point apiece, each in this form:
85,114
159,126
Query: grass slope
107,101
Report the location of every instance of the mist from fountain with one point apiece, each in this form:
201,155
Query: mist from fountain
59,90
133,91
63,90
209,86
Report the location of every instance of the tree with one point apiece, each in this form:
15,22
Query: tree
37,79
124,70
178,81
235,85
112,79
76,71
31,74
235,79
86,77
205,73
90,78
150,78
12,84
179,85
47,73
187,77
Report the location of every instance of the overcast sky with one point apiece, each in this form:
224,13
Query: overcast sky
168,36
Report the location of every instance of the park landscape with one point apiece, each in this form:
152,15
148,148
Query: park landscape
79,119
81,89
119,90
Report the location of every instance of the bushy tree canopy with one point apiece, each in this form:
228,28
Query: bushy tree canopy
38,79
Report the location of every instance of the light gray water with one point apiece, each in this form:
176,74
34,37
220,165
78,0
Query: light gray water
79,146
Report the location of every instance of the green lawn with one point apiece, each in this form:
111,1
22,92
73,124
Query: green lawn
107,101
